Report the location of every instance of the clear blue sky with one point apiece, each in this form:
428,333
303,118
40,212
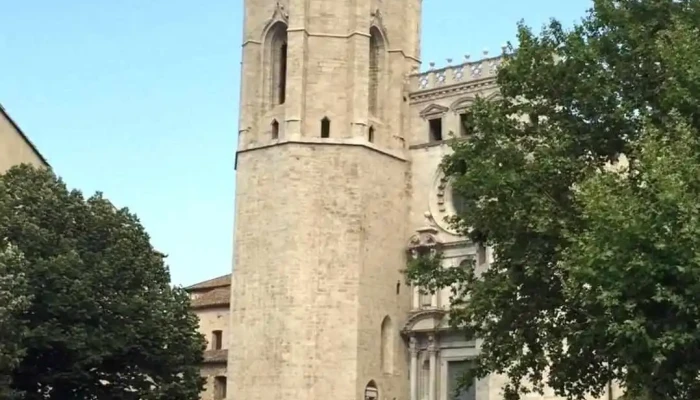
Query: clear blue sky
139,99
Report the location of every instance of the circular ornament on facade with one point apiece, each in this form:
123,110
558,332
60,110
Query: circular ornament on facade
445,202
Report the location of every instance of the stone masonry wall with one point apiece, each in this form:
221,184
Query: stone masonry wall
214,319
325,227
210,372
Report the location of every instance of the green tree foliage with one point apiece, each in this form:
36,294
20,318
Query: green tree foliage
102,320
14,300
597,271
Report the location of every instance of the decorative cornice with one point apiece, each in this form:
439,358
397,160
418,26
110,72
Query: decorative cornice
219,304
462,104
493,96
216,356
424,240
436,313
422,96
457,244
356,142
433,110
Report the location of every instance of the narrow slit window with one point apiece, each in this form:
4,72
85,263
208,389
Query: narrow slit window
276,75
282,89
275,128
370,134
325,127
435,127
374,54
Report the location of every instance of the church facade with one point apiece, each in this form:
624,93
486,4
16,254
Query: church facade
338,184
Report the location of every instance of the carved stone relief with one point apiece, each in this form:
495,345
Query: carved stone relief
441,203
376,21
424,241
279,14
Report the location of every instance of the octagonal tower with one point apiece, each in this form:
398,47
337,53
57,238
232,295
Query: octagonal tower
322,200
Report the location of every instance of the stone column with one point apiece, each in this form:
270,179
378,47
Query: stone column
297,57
413,348
434,297
416,290
432,350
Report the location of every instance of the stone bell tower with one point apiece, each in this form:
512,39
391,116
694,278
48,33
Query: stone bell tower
322,200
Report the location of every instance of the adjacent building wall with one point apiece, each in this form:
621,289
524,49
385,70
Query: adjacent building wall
210,302
15,147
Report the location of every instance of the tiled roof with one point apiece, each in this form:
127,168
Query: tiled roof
215,297
220,281
216,356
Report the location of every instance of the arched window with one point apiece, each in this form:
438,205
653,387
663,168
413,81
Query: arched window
277,55
370,134
325,127
371,391
387,350
376,51
275,129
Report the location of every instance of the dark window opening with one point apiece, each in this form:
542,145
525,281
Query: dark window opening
435,126
398,287
220,388
459,167
371,392
277,74
325,127
216,340
465,126
370,134
282,89
373,73
275,129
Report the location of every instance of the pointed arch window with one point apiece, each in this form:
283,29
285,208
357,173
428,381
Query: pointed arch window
376,51
371,391
325,127
277,53
275,129
282,74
